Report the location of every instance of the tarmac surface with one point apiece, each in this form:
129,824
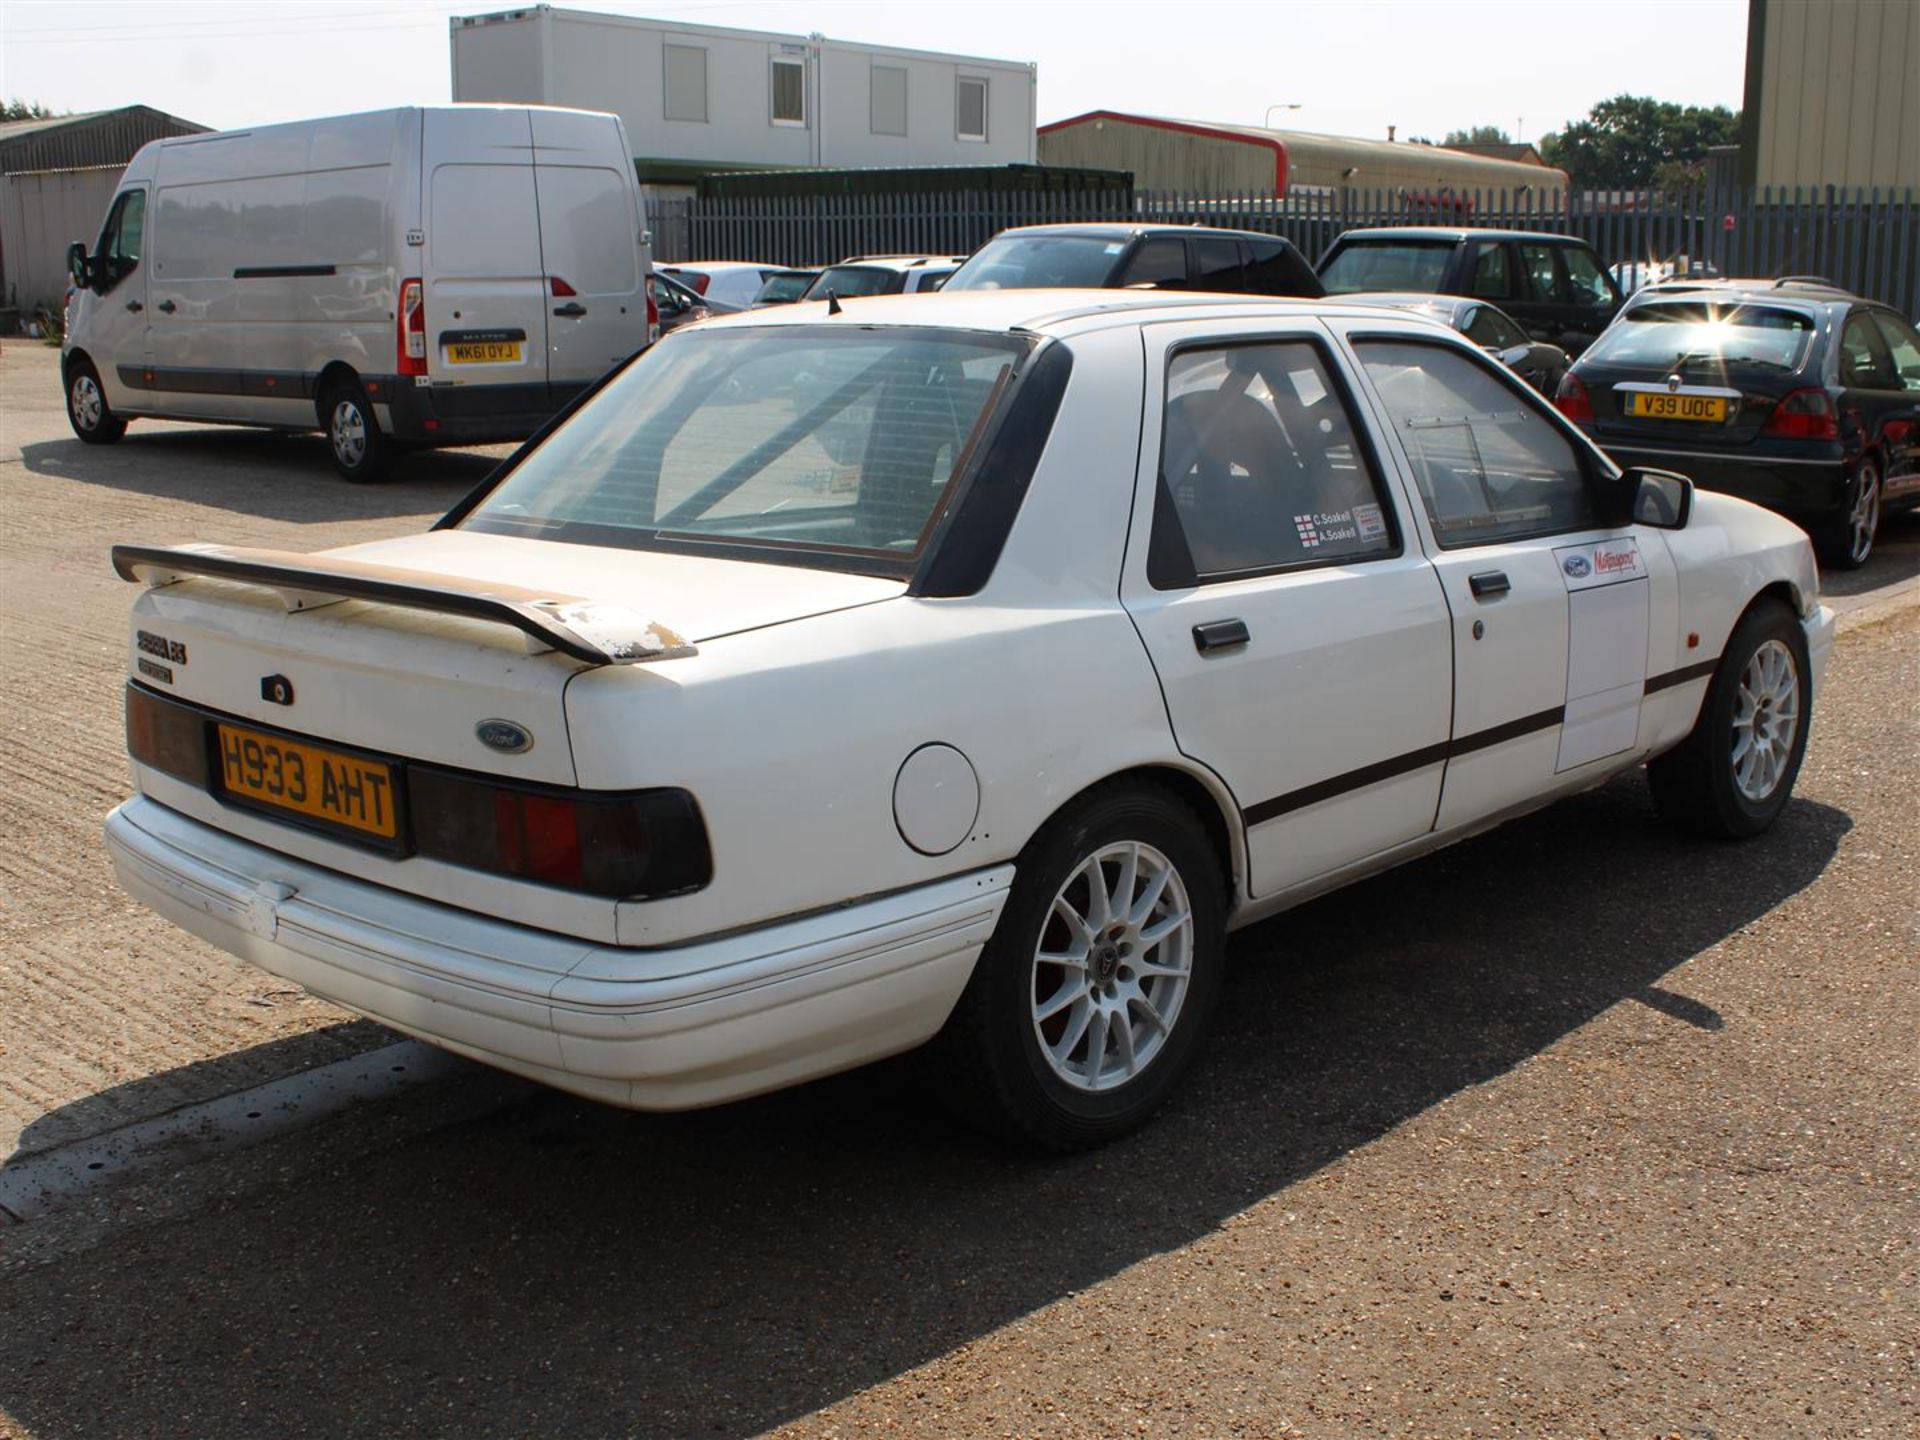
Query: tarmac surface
1576,1129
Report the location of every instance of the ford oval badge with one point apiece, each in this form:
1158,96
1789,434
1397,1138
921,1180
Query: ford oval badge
1578,567
504,736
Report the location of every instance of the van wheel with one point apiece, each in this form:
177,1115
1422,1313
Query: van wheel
360,452
87,409
1095,991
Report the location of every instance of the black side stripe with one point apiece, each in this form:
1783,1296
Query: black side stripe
1399,765
1432,754
281,272
1681,676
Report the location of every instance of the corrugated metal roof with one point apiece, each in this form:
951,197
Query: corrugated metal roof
73,142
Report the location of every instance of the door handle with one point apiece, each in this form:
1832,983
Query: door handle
571,309
166,307
135,306
1220,635
1489,584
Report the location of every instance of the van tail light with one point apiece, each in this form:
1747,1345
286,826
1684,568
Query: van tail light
653,317
411,350
1806,414
1571,398
560,288
636,845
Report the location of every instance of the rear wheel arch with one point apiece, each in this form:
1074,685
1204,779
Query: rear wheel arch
1201,792
335,374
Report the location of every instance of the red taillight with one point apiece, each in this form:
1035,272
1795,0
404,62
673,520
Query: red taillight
653,317
699,280
1571,398
411,346
1805,415
560,287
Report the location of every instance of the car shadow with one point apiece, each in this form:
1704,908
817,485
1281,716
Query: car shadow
269,473
1895,557
562,1269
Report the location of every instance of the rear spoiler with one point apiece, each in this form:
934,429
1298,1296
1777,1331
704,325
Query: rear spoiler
588,630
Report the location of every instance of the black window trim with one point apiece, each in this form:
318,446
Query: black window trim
1613,511
1161,550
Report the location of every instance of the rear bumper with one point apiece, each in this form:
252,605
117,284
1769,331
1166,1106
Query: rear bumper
1811,486
466,414
660,1029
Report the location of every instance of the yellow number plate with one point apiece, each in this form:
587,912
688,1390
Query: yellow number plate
484,352
1709,408
307,780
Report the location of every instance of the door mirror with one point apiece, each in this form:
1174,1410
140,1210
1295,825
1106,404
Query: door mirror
77,264
1661,498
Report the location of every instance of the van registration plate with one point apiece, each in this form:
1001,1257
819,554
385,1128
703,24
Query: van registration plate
1643,405
291,776
484,352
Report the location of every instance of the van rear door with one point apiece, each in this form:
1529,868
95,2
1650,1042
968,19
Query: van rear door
590,240
486,289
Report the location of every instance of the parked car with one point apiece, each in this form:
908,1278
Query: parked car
862,275
678,304
423,276
1128,257
1552,284
523,797
1631,275
732,283
784,287
1541,365
1796,395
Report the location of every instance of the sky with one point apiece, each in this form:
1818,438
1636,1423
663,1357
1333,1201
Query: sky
1343,67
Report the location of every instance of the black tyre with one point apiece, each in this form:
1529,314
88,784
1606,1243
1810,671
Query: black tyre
1094,993
87,409
360,452
1846,540
1734,774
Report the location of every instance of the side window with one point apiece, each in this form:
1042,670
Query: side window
1590,288
1543,280
1903,344
1489,466
120,237
1216,265
1493,273
1489,327
1864,361
1276,268
1159,264
1260,468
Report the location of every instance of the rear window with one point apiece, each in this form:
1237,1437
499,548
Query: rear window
821,446
786,287
1040,262
1673,333
1388,265
849,281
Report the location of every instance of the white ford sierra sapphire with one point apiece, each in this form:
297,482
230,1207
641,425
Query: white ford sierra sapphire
952,668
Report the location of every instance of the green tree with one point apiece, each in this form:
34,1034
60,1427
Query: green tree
1478,135
1626,143
24,110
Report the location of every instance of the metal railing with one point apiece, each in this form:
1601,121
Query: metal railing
1867,241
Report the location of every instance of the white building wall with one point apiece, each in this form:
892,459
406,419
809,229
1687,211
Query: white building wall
608,62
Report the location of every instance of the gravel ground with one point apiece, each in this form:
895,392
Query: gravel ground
1576,1129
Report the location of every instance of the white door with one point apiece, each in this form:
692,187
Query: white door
486,288
115,332
1551,607
590,245
1300,637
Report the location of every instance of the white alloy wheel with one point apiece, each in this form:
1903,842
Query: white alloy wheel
1766,720
1111,971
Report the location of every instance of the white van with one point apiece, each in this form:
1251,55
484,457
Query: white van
446,275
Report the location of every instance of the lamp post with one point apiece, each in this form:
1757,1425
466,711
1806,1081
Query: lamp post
1266,122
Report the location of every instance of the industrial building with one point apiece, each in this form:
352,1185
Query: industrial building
56,177
698,99
1832,94
1217,159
